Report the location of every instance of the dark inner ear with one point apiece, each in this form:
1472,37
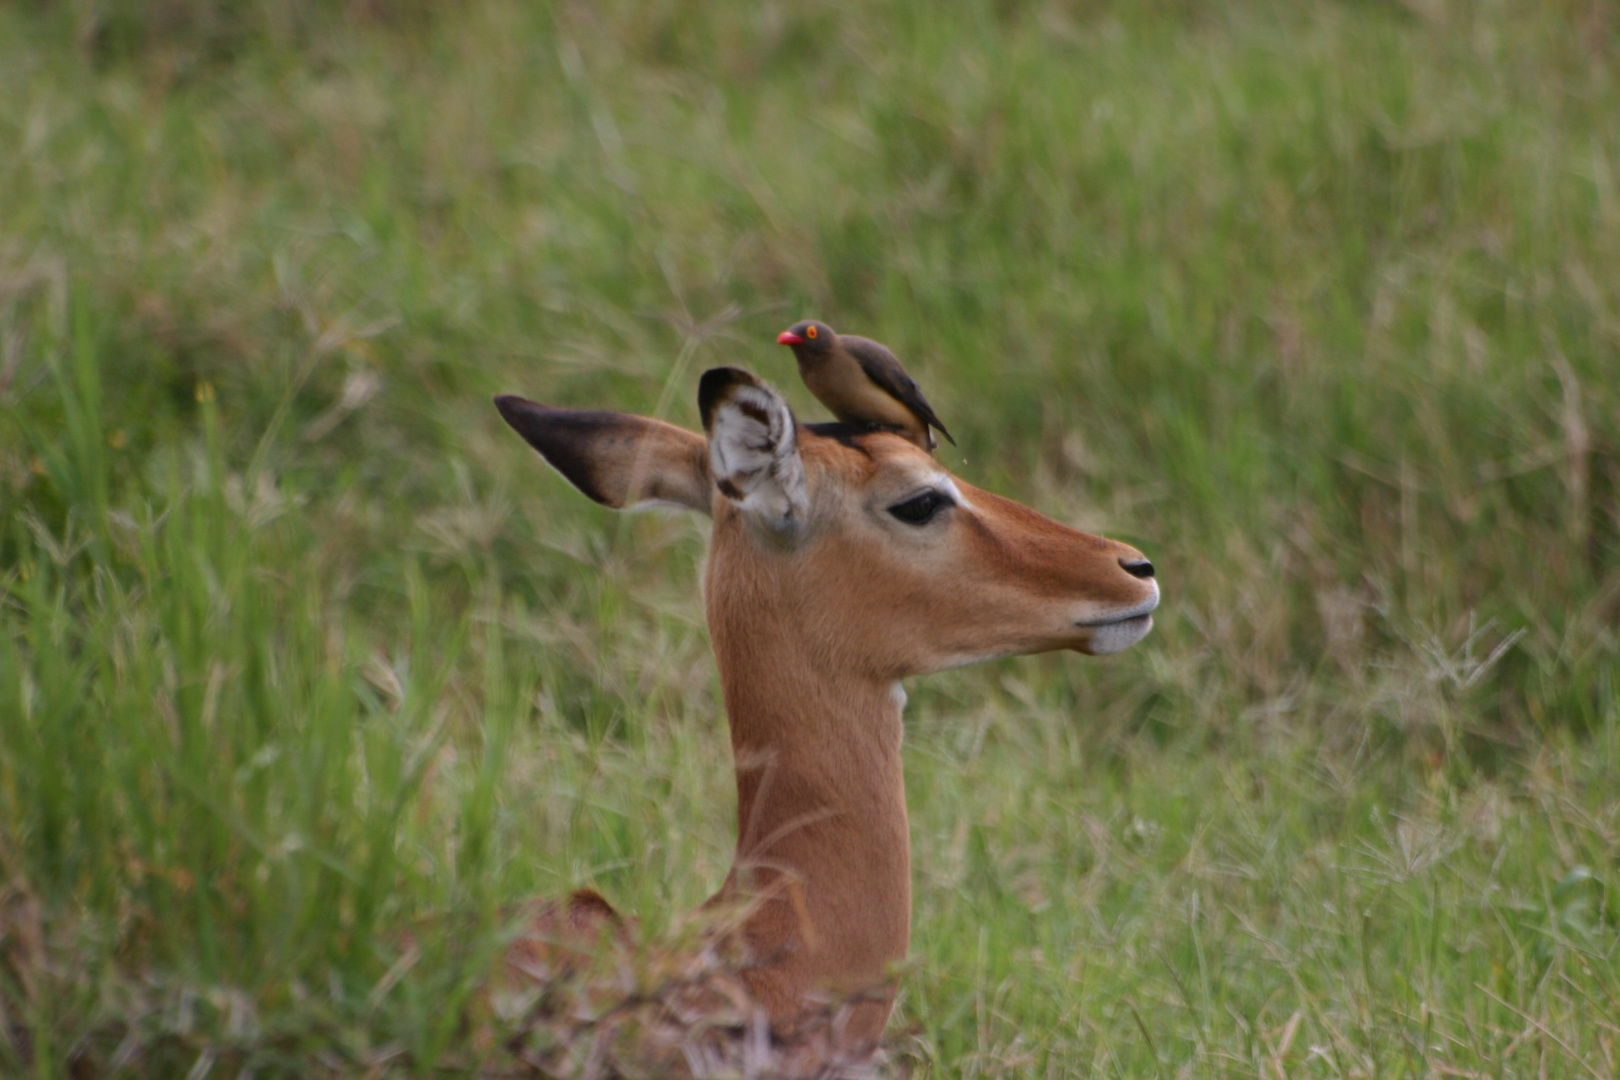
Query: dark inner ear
712,389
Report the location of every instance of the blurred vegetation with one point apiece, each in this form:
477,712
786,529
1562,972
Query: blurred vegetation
1315,303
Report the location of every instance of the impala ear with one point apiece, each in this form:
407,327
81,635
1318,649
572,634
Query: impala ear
753,448
617,459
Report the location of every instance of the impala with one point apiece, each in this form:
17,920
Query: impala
842,560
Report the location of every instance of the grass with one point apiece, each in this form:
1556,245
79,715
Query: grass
1314,303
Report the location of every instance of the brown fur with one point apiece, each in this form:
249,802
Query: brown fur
811,635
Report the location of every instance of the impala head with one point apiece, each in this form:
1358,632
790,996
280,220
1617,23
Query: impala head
855,546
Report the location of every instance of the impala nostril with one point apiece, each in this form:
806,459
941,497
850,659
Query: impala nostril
1139,568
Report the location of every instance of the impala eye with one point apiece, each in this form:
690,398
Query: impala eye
920,510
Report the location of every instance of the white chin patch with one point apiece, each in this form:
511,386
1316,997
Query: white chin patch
1119,636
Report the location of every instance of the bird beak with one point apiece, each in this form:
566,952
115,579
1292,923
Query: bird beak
788,337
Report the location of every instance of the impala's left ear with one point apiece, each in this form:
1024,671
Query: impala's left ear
620,460
753,448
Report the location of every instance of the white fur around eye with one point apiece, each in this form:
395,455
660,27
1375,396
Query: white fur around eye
754,456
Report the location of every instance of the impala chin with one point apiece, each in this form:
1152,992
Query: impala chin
1118,631
1117,636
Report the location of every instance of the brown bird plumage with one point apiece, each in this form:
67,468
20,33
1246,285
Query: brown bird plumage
861,382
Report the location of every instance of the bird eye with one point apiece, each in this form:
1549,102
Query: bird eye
921,509
810,332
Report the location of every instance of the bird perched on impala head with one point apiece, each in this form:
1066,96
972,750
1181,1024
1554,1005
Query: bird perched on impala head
861,382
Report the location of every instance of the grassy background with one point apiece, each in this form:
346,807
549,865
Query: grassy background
1316,303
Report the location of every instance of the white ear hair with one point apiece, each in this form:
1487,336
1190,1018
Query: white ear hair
754,449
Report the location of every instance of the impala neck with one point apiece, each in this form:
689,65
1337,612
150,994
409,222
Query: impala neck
822,839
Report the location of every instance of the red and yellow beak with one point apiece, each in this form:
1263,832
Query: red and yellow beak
788,337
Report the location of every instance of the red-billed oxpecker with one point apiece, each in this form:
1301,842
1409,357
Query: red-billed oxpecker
862,382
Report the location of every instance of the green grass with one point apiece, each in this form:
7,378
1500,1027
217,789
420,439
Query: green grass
1317,304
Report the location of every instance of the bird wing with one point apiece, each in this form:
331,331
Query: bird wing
883,369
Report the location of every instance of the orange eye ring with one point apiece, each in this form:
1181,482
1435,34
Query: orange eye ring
810,332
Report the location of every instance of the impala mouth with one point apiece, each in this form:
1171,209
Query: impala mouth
1119,631
1144,610
1118,620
